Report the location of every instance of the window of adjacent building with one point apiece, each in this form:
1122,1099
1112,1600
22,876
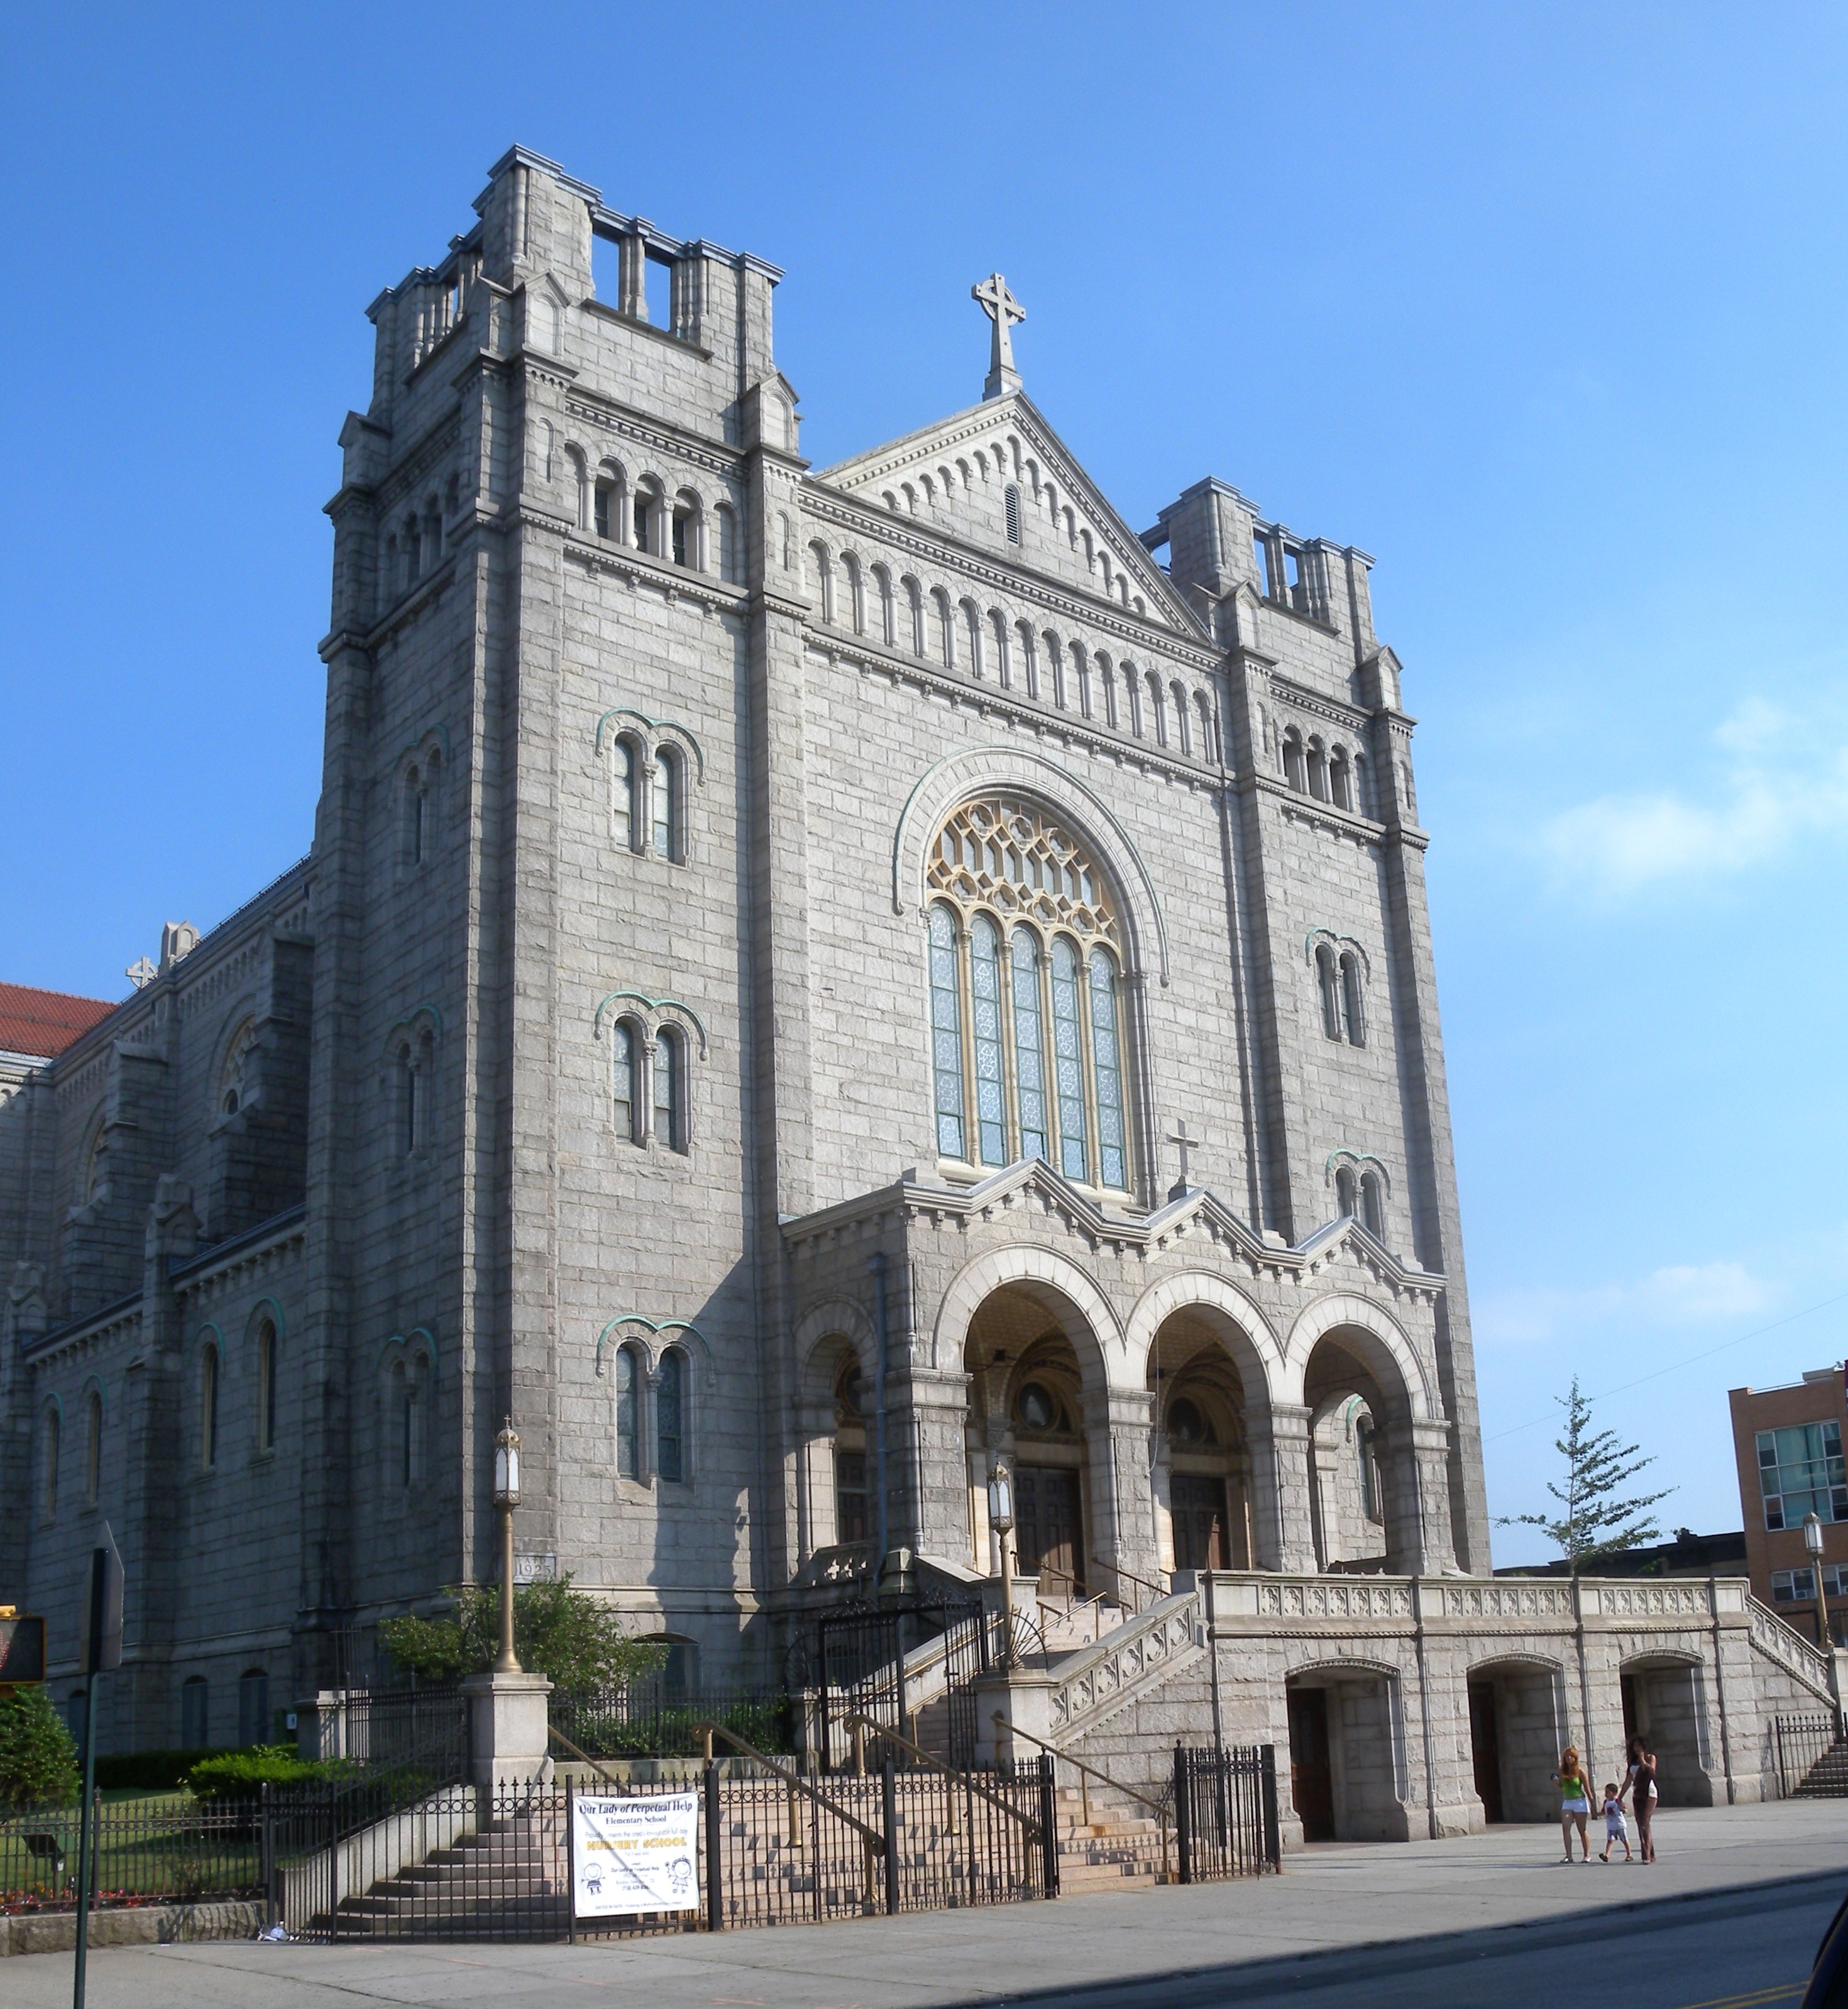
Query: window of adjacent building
1800,1472
1026,1028
669,1440
1792,1586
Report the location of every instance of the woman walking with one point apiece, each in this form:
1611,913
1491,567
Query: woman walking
1575,1800
1639,1783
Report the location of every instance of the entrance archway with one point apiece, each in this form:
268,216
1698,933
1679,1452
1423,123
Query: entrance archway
1037,1398
1363,1504
1202,1475
1665,1703
1517,1730
1347,1779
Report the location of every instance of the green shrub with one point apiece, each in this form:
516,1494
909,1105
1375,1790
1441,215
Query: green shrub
241,1775
150,1771
567,1635
38,1760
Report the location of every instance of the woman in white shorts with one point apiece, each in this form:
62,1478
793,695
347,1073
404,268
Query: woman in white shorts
1575,1802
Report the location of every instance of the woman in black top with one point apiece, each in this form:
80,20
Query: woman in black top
1639,1782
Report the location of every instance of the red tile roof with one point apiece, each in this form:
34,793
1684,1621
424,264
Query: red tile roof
44,1023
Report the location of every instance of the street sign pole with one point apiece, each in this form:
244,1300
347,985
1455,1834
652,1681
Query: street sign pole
101,1650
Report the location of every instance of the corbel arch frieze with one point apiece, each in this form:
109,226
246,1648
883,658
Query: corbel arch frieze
979,770
1390,1343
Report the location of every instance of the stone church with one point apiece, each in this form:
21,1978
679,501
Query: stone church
807,983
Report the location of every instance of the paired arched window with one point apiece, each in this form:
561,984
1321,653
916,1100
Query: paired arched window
1362,1196
648,798
650,1087
666,1458
1026,1027
1338,979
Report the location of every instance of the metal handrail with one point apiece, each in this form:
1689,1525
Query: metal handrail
1160,1806
577,1751
1141,1583
858,1720
794,1781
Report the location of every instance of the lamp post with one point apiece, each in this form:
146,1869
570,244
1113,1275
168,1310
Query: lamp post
1001,1518
1812,1541
506,1496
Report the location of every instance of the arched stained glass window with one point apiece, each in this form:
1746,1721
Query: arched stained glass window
670,1462
667,803
628,1435
1068,1061
1029,1047
1026,930
985,972
622,794
945,1032
208,1408
626,1069
670,1089
267,1369
1113,1145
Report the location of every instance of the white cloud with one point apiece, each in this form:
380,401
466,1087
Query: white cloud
1781,782
1678,1295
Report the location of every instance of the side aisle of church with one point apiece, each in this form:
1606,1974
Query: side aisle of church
809,987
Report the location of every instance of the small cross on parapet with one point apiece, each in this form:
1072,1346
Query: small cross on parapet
1003,310
1183,1142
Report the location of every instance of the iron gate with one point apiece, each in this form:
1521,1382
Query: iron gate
1225,1811
861,1651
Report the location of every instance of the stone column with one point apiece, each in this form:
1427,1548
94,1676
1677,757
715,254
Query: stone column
1120,1516
927,1460
508,1728
1281,1532
1431,1471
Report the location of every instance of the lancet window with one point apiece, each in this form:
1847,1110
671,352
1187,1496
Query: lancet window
1025,976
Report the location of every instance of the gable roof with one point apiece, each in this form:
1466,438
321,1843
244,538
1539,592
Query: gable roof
1012,435
42,1023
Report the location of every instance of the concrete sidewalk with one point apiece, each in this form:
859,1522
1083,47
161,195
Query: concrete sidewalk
1331,1902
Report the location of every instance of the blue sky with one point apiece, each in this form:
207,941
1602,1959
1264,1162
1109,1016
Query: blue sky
1542,306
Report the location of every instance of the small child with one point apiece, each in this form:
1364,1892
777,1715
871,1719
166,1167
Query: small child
1616,1827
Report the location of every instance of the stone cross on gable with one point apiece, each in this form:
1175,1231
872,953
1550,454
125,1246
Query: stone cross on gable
1003,310
1179,1138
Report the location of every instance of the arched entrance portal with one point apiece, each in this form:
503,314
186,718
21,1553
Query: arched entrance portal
1364,1508
1202,1475
1037,1398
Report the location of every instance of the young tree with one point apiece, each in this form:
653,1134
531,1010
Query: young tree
38,1760
565,1634
1598,1520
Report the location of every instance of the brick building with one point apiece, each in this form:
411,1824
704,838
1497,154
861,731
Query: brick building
1788,1444
806,984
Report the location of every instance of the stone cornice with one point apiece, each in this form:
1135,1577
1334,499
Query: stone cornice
1198,1210
642,568
597,408
212,1271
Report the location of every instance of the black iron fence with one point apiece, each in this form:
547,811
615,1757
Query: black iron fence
647,1718
1812,1756
167,1848
909,1664
424,1731
1225,1811
773,1848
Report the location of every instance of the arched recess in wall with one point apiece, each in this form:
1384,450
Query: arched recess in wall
981,770
1373,1335
1204,1290
1037,1271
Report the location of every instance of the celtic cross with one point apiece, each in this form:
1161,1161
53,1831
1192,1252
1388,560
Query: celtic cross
1003,310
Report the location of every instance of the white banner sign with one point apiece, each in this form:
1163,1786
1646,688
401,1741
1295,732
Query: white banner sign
639,1854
